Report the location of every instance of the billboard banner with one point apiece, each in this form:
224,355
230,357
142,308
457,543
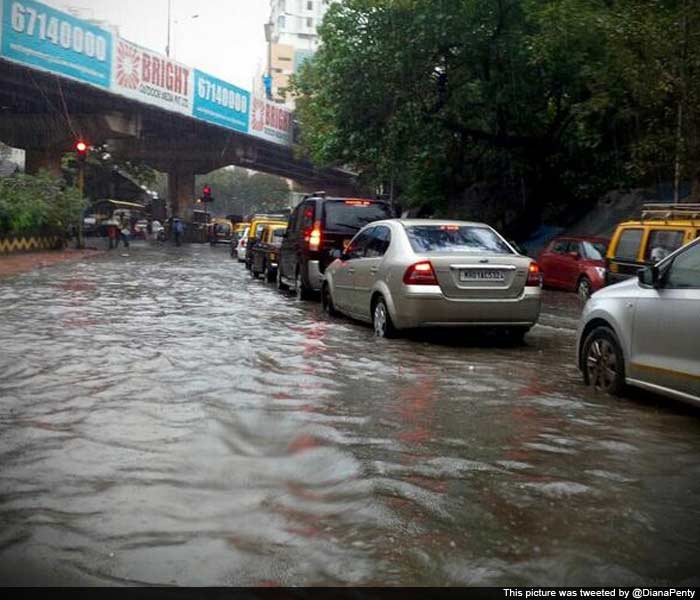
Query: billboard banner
39,36
220,103
271,122
152,78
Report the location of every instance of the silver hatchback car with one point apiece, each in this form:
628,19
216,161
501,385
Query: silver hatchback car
400,274
646,331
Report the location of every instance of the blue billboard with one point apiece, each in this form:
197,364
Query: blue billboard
40,36
220,103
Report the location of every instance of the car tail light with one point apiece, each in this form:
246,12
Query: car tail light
534,275
314,237
358,202
421,273
244,243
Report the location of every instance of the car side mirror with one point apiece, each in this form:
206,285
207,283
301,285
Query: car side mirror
649,276
575,255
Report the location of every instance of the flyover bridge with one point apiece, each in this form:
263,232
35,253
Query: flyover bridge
63,78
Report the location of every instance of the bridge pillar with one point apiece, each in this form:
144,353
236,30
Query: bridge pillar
181,190
43,158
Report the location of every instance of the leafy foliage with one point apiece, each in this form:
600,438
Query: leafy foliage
238,191
544,98
32,204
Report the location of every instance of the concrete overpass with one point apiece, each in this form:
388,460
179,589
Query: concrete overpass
44,113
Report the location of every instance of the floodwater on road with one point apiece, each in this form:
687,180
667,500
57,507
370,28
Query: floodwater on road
164,419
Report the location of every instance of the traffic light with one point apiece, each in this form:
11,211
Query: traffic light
206,194
81,149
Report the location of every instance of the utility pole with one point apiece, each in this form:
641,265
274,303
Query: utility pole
81,151
167,47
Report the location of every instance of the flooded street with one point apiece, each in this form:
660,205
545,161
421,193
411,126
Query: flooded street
164,419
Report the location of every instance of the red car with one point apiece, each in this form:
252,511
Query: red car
574,263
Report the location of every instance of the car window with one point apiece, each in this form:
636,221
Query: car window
684,273
662,242
379,242
574,247
294,219
357,247
455,238
593,250
352,215
559,247
259,231
308,215
628,244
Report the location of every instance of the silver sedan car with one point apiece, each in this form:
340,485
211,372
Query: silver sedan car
645,331
400,274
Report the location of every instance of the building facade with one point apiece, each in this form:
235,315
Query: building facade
292,37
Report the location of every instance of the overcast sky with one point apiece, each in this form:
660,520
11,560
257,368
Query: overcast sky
226,40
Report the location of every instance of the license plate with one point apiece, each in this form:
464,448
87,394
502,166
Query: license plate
481,275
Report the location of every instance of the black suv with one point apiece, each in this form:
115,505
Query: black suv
317,227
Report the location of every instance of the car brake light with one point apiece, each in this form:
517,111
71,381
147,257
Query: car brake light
315,237
421,273
358,202
534,275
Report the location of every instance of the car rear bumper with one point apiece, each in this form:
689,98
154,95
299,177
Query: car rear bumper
426,306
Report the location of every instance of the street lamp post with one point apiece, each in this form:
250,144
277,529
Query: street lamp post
172,21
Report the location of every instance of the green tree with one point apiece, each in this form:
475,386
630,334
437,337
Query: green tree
238,191
436,95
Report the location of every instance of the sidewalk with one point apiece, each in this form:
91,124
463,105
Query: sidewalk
19,263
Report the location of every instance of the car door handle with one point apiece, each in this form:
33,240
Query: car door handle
374,269
351,270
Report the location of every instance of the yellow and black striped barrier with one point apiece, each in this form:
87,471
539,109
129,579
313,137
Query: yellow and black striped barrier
27,244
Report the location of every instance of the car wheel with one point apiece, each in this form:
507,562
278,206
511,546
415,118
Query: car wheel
516,335
327,301
603,362
381,320
281,286
301,291
584,288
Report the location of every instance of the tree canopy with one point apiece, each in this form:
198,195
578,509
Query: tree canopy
556,101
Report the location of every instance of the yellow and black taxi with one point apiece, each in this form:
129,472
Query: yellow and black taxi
661,230
265,253
255,231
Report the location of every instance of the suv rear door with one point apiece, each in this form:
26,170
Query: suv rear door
342,218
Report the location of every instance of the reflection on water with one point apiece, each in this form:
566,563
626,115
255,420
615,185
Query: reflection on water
164,419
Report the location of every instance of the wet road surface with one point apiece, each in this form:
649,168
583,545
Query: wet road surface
164,419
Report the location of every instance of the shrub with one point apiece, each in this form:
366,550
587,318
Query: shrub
31,204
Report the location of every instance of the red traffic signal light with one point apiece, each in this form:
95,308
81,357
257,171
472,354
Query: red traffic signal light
81,149
206,194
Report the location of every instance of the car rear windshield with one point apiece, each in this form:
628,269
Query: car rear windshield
455,238
349,216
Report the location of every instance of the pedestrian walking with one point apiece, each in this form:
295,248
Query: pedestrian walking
178,230
124,233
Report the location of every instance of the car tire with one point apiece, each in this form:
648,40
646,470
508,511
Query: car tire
584,288
327,301
516,335
603,363
300,290
281,286
381,320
